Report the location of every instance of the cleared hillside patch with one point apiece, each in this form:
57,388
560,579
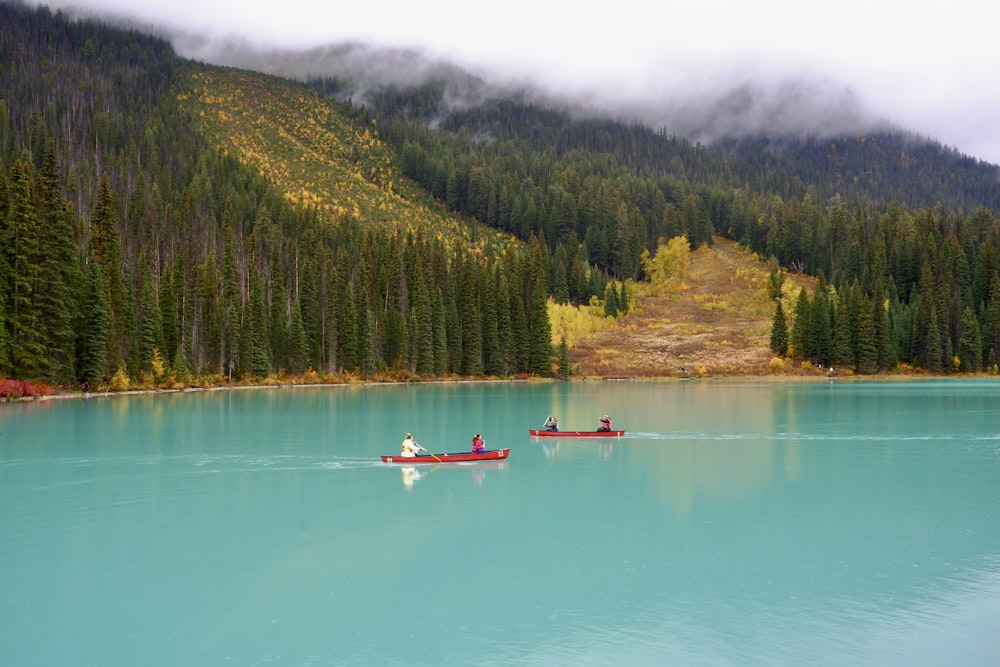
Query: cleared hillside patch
717,322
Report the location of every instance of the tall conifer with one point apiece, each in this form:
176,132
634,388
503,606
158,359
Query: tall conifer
27,351
93,341
779,330
60,274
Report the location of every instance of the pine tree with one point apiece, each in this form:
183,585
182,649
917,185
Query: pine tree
60,275
880,319
440,335
970,346
231,310
493,364
92,344
423,327
503,324
472,324
368,361
150,328
843,349
611,300
278,306
801,338
564,367
27,351
934,348
298,347
867,360
169,323
779,331
254,333
623,302
539,333
105,249
821,328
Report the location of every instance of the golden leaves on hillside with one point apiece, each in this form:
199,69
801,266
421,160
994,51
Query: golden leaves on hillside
321,159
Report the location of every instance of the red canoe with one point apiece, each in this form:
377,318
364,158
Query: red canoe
575,434
491,455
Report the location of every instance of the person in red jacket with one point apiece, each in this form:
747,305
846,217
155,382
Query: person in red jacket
478,444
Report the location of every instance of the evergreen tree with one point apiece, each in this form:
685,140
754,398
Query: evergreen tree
867,359
422,319
440,335
935,350
970,346
298,347
278,305
493,359
254,333
991,321
880,319
503,325
821,328
564,367
27,351
105,249
560,280
231,310
93,342
368,361
539,333
60,275
169,322
802,327
779,331
843,349
611,300
150,328
472,324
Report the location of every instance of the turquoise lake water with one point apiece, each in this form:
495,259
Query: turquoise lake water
734,524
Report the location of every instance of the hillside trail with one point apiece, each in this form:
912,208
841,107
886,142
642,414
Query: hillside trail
717,322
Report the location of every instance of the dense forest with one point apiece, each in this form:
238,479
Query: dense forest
135,249
145,238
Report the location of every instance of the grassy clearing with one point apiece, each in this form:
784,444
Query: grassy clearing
716,322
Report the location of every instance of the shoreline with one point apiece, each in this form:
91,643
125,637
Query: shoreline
773,379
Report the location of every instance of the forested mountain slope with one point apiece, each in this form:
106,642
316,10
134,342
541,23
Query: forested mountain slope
166,221
155,231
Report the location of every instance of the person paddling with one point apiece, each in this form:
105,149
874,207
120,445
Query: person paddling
409,448
478,444
551,424
605,423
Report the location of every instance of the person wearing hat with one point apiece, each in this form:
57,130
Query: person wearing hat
605,423
409,448
478,444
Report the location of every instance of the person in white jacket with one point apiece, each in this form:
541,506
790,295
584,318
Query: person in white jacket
409,448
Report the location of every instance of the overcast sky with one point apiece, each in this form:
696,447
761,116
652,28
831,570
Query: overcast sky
932,68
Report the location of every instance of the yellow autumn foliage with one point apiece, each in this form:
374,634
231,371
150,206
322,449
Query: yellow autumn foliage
575,322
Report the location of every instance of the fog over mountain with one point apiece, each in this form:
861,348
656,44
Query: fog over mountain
726,105
718,68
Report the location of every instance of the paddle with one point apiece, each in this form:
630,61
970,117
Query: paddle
422,447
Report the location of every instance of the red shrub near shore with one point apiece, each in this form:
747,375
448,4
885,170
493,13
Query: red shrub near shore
14,389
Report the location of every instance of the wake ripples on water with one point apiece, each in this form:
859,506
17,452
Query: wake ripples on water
819,437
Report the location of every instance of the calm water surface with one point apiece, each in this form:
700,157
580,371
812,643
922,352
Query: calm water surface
734,524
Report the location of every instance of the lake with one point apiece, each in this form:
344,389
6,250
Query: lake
736,523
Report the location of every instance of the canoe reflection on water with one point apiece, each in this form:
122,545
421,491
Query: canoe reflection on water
413,474
551,447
